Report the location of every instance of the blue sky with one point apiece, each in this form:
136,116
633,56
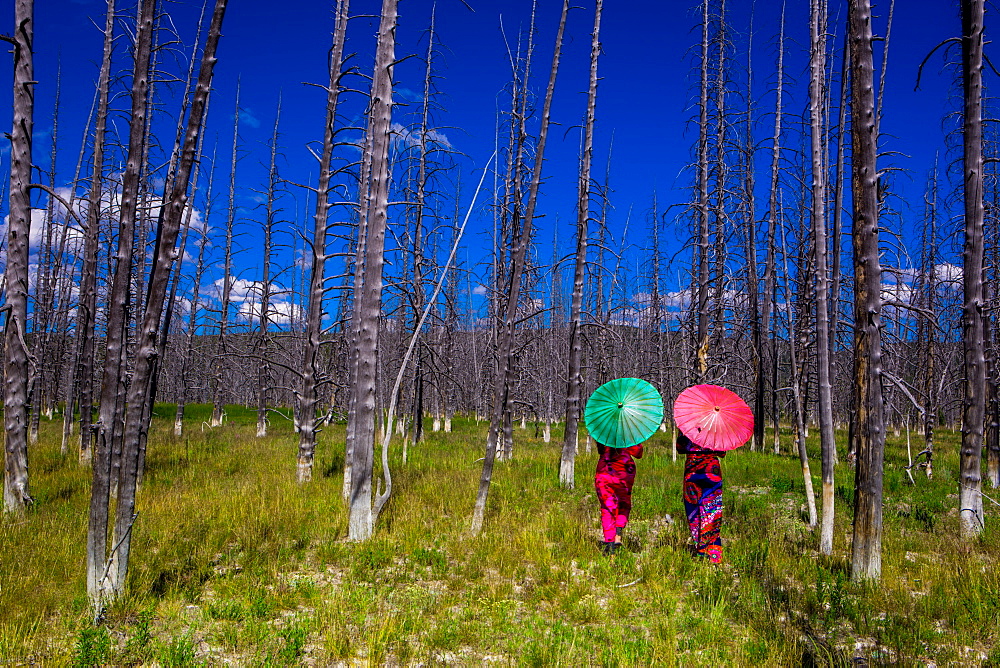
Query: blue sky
645,98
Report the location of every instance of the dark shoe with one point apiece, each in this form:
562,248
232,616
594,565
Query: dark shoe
609,547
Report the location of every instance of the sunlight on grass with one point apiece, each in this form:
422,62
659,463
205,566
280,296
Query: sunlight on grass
234,562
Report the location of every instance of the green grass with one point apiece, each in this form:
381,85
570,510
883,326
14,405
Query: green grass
234,562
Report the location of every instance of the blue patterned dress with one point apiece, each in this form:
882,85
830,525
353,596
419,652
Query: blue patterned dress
703,497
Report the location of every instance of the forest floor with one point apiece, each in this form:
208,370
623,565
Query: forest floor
233,563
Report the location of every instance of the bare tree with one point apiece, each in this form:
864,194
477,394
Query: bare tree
271,211
15,489
701,272
970,499
225,296
817,102
109,584
866,547
194,305
567,462
87,309
113,380
368,301
506,347
797,372
773,222
308,398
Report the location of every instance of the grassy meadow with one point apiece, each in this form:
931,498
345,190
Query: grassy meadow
233,563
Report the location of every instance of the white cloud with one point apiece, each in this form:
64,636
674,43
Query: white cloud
433,138
948,272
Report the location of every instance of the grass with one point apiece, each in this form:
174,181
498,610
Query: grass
234,563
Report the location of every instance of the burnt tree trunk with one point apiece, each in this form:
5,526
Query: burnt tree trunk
970,499
866,548
107,429
15,488
817,102
567,462
87,309
368,303
308,397
500,416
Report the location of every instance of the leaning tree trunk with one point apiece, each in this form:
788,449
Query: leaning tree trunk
168,228
369,302
866,548
15,414
817,100
499,419
87,309
107,431
970,497
308,397
567,462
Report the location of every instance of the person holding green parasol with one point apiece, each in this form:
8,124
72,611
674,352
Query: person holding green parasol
620,415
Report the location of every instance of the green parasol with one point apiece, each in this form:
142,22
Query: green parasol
623,412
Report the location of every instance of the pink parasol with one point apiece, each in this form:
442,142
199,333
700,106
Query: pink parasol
713,417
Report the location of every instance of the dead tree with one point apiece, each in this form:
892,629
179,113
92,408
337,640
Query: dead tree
107,431
109,576
773,222
194,305
15,489
748,211
970,498
368,301
817,113
87,309
505,376
927,334
866,547
701,273
797,371
567,462
308,398
225,297
271,211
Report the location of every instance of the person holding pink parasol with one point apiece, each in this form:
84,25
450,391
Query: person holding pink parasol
712,420
620,415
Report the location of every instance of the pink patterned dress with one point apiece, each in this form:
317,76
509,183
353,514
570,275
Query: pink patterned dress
613,482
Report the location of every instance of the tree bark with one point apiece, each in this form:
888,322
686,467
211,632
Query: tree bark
866,549
368,304
308,397
970,499
817,102
567,462
16,496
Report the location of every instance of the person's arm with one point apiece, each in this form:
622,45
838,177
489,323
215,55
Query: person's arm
636,451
